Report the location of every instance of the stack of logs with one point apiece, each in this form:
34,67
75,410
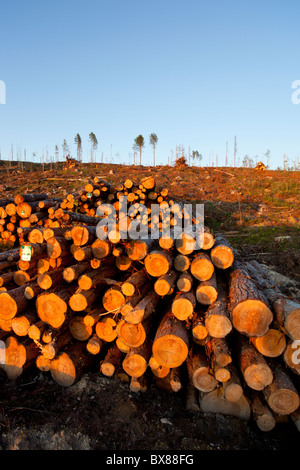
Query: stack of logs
162,310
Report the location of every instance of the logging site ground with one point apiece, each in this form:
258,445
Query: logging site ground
259,211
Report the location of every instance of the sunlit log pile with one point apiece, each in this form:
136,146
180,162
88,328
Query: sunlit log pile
199,321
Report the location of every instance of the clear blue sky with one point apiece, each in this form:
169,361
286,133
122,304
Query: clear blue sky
194,72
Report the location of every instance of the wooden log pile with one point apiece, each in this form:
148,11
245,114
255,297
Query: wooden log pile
190,318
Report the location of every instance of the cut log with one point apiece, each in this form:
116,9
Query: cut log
215,402
94,345
81,299
157,369
233,389
183,305
217,318
281,395
21,324
133,335
164,285
70,365
262,414
201,267
57,247
272,344
52,307
287,311
113,299
199,370
138,249
15,358
133,300
218,351
111,361
171,342
185,282
139,384
158,263
12,303
222,253
199,330
78,329
185,244
207,291
106,328
181,263
248,307
144,309
83,235
136,360
59,341
253,366
135,281
71,273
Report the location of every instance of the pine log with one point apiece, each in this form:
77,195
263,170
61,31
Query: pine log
136,360
144,309
199,370
286,311
21,324
113,299
248,307
164,285
233,389
12,303
218,351
70,365
71,273
181,263
52,307
281,395
157,369
134,281
272,344
185,282
171,342
158,263
207,291
78,329
253,366
262,414
217,318
133,300
201,267
106,328
199,330
183,305
111,361
94,345
138,249
222,253
215,402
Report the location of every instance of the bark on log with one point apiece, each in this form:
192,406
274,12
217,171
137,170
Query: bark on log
281,395
222,253
171,342
249,309
201,267
199,370
253,366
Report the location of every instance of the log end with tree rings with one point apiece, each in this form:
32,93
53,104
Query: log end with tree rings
203,380
132,335
206,294
113,299
136,249
222,257
272,344
157,263
218,326
258,376
8,306
106,328
63,370
170,350
252,317
78,329
51,309
134,364
201,267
